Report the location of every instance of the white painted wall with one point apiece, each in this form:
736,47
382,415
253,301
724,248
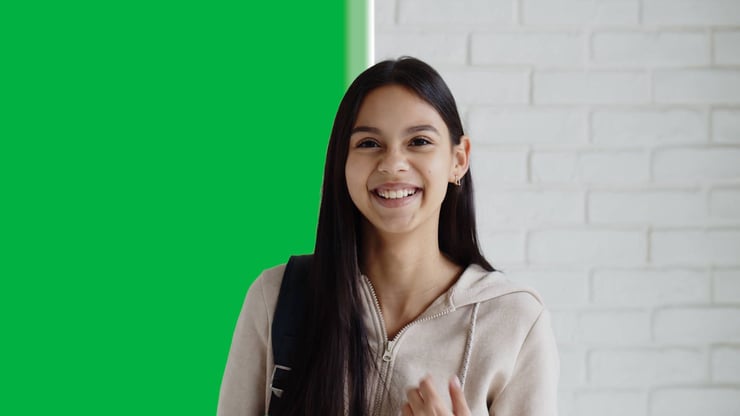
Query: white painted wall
607,164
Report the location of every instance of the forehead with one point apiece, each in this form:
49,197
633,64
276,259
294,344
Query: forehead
396,107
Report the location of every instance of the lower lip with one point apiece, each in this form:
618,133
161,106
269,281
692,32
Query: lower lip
398,202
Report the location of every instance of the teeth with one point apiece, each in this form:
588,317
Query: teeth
396,194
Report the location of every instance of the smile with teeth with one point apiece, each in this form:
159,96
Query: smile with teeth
395,194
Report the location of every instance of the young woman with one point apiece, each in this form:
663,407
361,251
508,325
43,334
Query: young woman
404,314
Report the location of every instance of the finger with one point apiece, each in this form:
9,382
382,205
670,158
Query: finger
428,392
415,401
459,404
406,410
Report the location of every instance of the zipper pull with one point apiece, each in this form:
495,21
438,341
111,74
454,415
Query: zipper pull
388,351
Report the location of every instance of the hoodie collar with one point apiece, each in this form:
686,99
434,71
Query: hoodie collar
477,285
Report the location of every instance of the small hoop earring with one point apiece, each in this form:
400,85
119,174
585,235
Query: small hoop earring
457,181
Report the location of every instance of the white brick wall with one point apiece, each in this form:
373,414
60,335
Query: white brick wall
590,87
726,126
647,207
727,285
683,401
650,287
644,126
691,12
546,125
705,86
629,48
579,12
517,48
611,403
727,47
726,364
606,157
646,367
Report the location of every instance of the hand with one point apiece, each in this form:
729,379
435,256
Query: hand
424,400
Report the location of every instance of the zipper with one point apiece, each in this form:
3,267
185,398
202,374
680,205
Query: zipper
389,344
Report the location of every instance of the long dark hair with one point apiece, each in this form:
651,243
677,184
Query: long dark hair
335,361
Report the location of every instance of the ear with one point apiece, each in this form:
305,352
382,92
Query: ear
460,159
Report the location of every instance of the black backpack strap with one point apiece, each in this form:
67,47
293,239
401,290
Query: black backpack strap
286,325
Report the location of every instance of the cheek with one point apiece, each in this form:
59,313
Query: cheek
355,183
439,170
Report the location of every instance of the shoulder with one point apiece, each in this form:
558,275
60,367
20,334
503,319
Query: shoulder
477,285
504,304
265,289
270,279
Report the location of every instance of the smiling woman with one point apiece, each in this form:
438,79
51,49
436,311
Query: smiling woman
400,161
403,312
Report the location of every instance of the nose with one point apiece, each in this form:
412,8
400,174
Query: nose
393,161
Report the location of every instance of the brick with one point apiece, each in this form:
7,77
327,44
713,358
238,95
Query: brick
592,87
646,367
587,246
436,48
727,47
696,164
724,203
612,167
697,325
526,48
566,401
489,87
502,247
611,328
599,167
611,403
625,127
497,166
687,401
726,364
694,247
727,285
384,13
691,12
706,86
544,126
525,208
565,326
460,11
726,126
549,167
578,12
629,287
647,207
650,48
557,288
572,366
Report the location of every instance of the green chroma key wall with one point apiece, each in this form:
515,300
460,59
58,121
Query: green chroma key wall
154,158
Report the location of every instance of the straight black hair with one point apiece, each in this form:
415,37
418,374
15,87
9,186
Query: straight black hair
333,365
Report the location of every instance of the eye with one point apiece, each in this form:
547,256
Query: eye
420,141
367,143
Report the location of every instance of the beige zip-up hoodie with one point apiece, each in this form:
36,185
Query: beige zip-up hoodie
493,334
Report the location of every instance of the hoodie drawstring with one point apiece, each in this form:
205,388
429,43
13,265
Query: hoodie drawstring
468,346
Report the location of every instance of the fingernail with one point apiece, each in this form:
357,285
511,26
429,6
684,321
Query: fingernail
455,381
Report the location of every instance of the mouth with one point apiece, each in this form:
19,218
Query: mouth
396,196
391,194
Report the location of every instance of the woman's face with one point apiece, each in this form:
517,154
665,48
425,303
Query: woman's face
400,161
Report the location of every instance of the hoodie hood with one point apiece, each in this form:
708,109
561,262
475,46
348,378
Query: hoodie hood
477,285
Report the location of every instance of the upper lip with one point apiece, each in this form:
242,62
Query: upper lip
394,186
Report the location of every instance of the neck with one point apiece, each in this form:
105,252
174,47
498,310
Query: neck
403,266
408,272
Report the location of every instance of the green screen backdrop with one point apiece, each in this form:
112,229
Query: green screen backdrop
154,158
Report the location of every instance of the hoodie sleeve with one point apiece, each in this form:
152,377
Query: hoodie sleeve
532,388
243,385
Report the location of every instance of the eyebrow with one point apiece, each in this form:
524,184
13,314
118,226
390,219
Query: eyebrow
412,129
